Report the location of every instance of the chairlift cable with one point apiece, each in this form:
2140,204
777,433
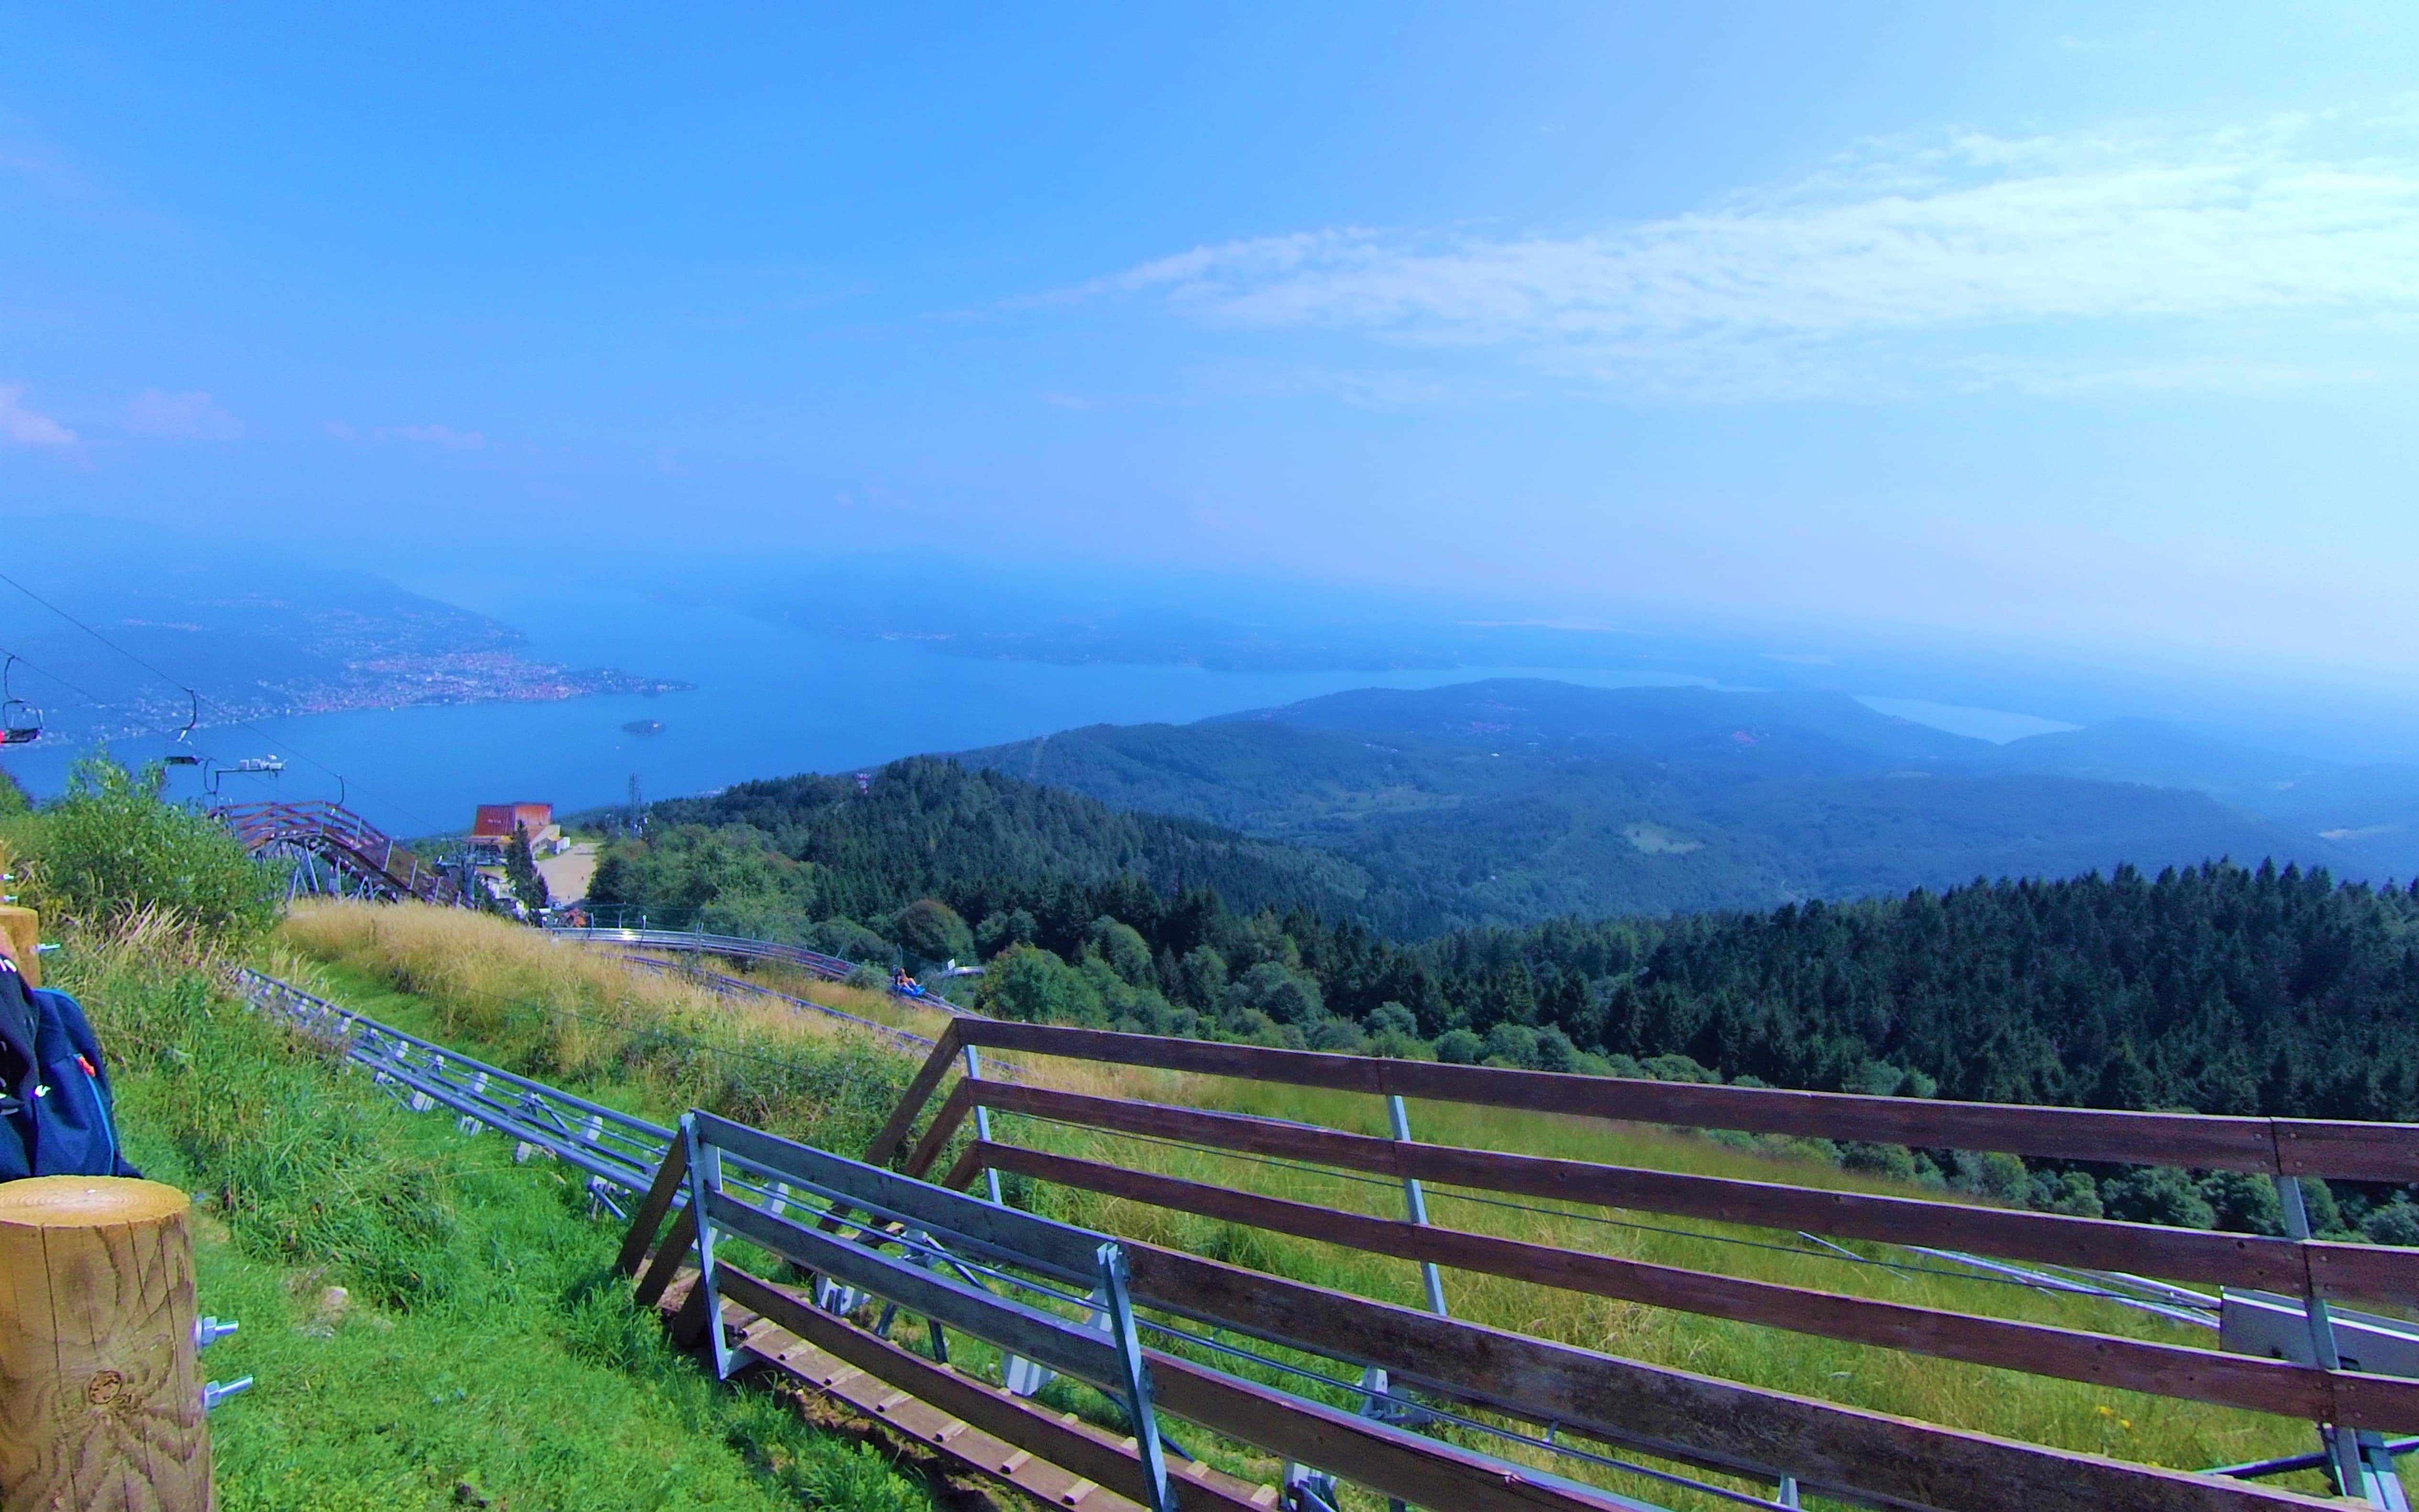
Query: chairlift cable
40,670
181,686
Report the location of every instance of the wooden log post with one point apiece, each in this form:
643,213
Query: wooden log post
101,1405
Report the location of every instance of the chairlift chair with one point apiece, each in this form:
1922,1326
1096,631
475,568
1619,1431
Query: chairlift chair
20,723
187,758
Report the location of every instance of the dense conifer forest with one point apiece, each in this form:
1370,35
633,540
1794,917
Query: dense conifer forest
2217,988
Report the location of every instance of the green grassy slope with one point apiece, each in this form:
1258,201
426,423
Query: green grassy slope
480,1351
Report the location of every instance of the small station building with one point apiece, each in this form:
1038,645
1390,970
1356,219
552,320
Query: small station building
492,828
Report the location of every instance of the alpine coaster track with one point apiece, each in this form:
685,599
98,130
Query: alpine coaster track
337,852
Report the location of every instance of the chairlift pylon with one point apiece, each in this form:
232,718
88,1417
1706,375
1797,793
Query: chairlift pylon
20,723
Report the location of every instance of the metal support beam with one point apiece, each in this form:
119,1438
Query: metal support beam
1120,1310
2342,1445
982,1121
1413,1198
704,1178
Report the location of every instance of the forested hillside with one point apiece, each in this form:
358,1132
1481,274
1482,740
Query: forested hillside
1512,801
2217,988
762,855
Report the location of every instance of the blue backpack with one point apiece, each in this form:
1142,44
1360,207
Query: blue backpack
56,1114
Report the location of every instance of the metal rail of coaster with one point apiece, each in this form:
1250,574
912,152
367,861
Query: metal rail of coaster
725,985
741,947
618,1150
621,1153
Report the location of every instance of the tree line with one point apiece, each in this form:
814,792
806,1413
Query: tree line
2217,988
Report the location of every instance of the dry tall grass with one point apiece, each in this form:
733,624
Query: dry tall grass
582,1015
881,1007
567,1013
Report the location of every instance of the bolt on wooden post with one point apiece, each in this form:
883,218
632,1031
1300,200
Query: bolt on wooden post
100,1406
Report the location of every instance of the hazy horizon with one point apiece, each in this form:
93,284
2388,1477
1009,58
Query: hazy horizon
1978,355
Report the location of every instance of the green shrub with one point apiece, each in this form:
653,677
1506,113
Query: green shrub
1991,1174
1285,995
932,929
2157,1195
1514,1045
1459,1047
1894,1160
2245,1203
1025,981
113,850
1122,947
2073,1193
849,940
2396,1222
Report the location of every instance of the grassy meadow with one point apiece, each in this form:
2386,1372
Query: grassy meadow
430,1325
653,1043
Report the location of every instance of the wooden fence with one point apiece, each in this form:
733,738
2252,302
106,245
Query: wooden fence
1692,1419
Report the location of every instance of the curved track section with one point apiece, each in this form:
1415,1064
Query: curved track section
335,851
739,947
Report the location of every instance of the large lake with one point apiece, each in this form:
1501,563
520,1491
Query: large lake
769,702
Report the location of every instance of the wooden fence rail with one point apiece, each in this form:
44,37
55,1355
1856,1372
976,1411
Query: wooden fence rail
2111,1361
2268,1147
2365,1272
1893,1472
1688,1418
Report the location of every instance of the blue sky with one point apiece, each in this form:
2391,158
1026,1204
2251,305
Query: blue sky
2083,330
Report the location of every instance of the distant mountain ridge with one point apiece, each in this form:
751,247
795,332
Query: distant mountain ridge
1510,801
255,633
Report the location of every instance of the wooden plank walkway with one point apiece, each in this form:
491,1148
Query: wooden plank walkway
917,1399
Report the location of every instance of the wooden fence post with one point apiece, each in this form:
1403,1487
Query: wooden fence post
100,1403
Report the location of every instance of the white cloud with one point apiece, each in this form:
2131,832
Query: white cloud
21,426
192,417
2287,251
